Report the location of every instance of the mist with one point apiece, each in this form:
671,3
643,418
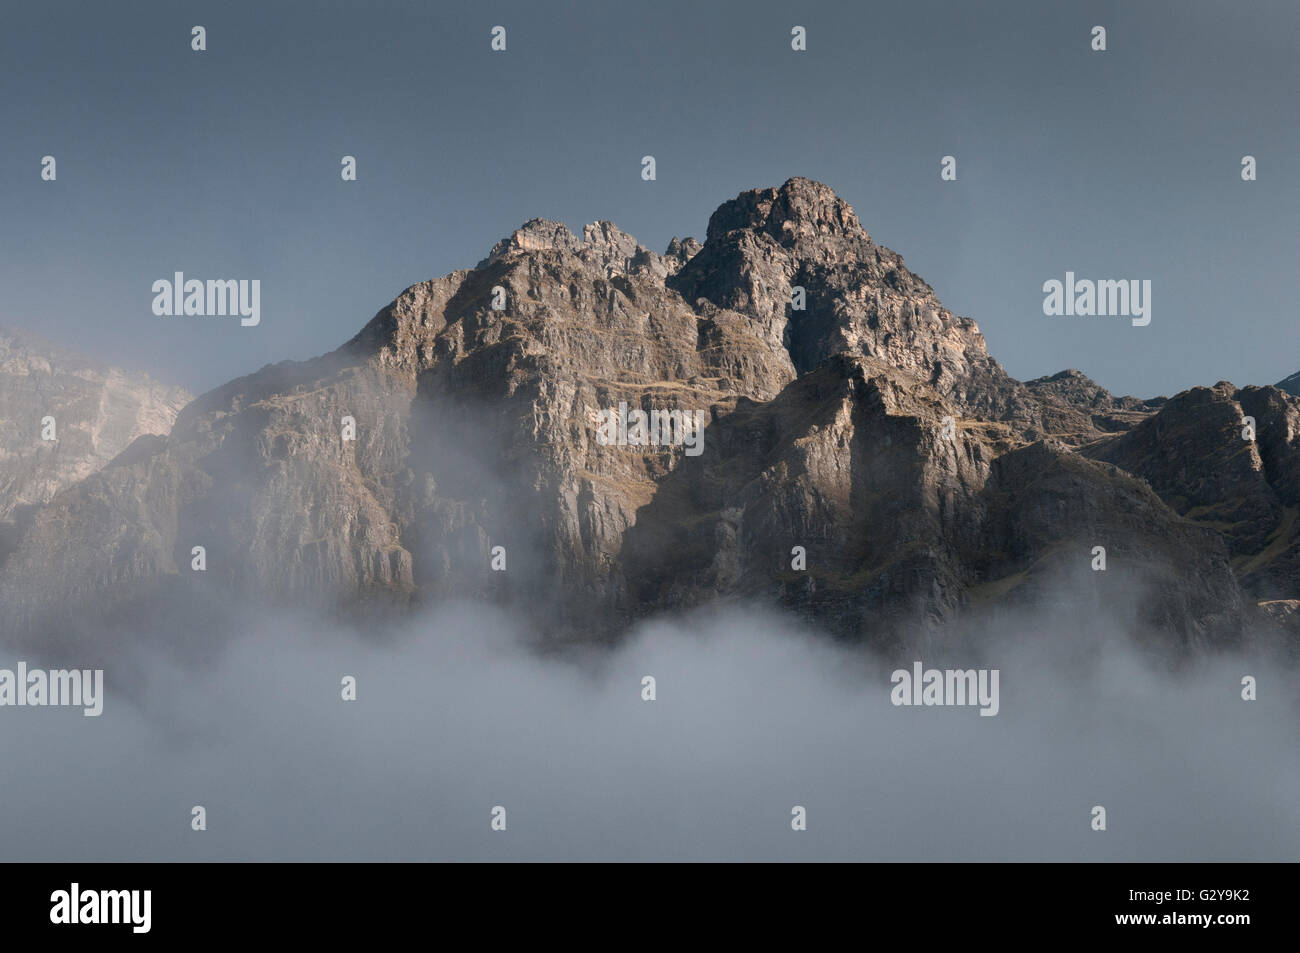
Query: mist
458,712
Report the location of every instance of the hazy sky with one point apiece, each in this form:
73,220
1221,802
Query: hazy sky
225,163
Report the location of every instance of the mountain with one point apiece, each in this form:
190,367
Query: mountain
1290,384
1194,453
869,430
91,413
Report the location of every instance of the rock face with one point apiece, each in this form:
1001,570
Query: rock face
94,412
1068,395
1199,455
864,460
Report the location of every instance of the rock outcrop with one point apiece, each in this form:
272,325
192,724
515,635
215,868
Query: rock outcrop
1228,459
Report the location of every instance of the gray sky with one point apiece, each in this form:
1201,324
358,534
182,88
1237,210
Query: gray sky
225,164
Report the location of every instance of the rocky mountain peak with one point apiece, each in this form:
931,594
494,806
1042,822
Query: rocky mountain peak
797,263
538,234
682,250
798,213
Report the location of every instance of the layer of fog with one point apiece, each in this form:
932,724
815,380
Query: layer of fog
754,715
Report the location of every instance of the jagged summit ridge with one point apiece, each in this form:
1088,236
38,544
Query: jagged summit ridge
799,213
603,243
857,297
